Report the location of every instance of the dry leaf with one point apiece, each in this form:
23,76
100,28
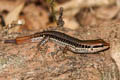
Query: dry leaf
8,5
13,15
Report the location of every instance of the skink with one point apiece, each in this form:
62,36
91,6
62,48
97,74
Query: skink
72,44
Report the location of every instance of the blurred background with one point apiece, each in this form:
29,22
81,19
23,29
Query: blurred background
77,13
